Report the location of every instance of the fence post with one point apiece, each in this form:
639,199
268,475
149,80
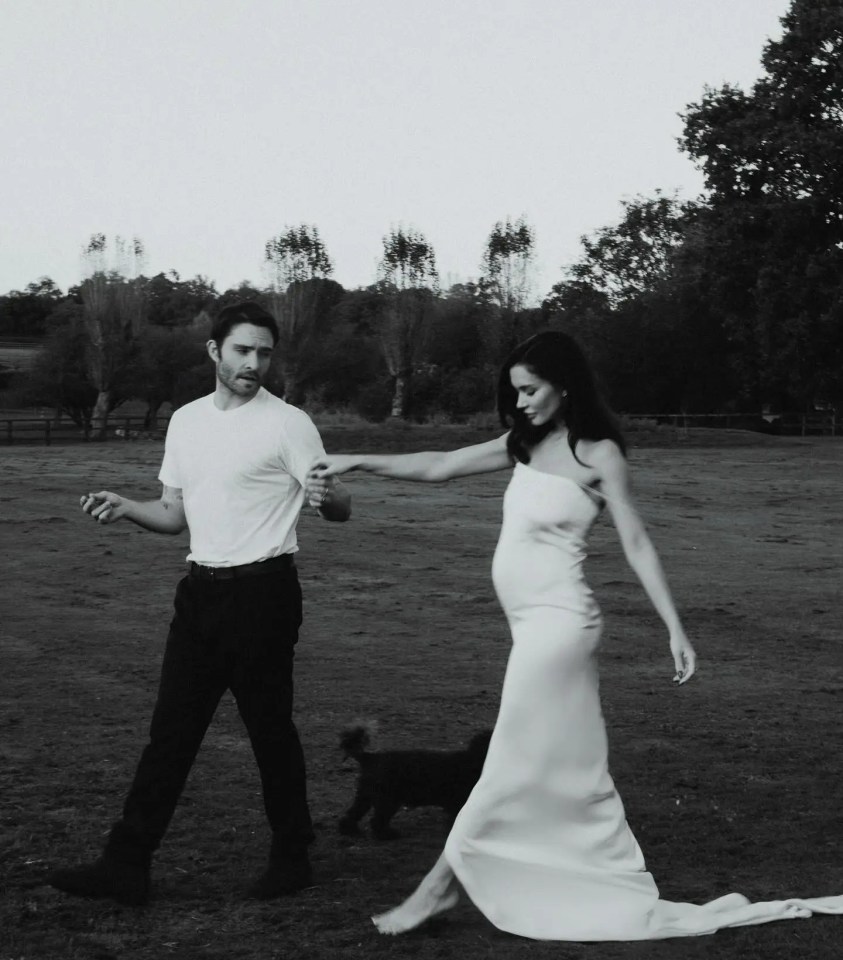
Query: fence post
47,432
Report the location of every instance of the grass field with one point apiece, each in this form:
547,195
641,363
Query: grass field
16,356
733,782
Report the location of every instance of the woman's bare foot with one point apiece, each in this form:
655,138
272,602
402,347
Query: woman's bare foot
430,898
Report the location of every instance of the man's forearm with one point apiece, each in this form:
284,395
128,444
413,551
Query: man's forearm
156,515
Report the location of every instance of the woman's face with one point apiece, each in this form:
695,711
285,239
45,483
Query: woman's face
539,399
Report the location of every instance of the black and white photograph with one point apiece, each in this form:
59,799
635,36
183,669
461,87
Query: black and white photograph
420,480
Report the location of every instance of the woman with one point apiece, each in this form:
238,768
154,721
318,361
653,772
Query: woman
542,846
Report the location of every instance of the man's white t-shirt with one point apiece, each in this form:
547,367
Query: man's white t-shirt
242,473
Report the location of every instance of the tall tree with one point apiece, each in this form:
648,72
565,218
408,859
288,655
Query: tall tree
773,222
156,372
459,326
349,361
506,277
114,302
174,302
507,262
25,313
58,377
299,296
409,281
627,259
625,301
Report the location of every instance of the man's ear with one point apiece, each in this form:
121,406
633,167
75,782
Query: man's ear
213,350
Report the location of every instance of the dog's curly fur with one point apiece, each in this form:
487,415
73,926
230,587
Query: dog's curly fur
392,779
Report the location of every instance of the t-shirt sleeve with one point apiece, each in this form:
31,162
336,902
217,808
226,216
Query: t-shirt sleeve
169,472
300,444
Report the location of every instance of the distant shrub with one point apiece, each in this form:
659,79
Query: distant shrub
9,378
455,395
374,400
195,382
466,392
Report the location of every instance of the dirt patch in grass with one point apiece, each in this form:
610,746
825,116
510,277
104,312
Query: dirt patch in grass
730,783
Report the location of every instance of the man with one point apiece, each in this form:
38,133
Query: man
235,474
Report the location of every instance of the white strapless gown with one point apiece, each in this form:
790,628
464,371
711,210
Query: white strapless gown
542,846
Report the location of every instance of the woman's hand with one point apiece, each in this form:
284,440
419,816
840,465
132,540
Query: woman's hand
325,466
684,657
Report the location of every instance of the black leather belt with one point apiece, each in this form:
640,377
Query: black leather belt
274,564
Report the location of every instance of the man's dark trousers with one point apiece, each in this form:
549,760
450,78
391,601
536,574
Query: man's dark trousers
236,634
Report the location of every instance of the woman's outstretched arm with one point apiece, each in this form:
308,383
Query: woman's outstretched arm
429,467
639,550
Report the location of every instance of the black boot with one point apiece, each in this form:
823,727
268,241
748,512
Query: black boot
107,878
283,877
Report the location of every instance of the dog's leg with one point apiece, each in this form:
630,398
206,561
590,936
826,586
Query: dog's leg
385,810
349,821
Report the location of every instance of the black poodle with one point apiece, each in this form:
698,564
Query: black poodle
408,778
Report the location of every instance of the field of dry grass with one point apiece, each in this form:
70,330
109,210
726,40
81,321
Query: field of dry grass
732,782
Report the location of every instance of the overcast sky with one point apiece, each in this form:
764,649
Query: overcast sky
204,127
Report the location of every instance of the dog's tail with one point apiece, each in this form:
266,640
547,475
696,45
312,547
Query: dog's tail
355,739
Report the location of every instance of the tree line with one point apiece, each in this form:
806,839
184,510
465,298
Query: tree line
729,302
399,347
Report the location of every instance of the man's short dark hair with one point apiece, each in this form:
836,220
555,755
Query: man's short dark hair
246,312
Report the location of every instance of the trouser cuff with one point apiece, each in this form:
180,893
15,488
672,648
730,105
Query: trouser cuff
126,847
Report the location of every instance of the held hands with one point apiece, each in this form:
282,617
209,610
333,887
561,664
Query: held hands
332,466
684,657
317,489
320,477
104,507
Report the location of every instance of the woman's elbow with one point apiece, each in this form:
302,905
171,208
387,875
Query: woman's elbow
438,470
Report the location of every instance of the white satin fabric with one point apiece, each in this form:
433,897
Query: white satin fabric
542,846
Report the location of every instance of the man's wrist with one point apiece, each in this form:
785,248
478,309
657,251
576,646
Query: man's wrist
127,510
337,503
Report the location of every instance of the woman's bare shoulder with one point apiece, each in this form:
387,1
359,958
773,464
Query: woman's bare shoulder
601,453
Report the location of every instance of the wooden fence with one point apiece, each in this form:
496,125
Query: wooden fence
815,423
48,430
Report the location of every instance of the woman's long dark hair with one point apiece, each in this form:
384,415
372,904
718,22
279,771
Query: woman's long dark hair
557,358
